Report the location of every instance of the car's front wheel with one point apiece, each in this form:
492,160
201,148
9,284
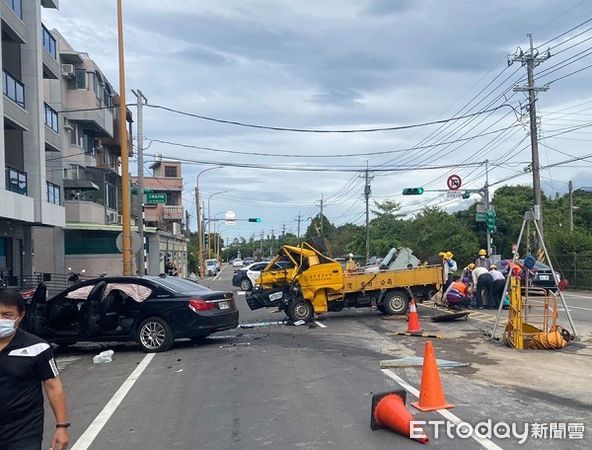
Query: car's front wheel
246,285
300,309
155,335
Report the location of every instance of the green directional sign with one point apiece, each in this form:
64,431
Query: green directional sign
481,217
156,197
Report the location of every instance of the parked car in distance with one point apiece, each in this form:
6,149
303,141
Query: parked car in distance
246,278
237,263
211,267
541,276
151,310
248,260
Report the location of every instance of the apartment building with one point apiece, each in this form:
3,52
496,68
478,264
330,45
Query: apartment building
164,212
31,191
91,150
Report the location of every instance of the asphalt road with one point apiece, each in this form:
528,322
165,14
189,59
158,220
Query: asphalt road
310,387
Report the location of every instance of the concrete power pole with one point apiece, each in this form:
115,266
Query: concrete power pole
571,207
367,192
322,218
299,220
487,204
141,100
531,59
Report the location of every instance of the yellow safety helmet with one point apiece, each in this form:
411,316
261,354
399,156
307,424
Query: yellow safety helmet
449,255
442,254
493,266
482,252
471,266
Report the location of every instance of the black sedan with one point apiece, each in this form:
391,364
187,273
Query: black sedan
540,275
151,310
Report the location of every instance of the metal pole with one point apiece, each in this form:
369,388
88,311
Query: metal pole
514,259
553,274
487,206
198,208
299,220
140,138
209,224
534,142
571,221
367,192
125,191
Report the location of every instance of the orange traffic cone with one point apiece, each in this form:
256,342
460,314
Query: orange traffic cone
413,323
388,410
431,393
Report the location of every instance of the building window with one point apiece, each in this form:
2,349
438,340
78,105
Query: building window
51,118
80,79
170,171
88,144
53,193
76,135
111,196
49,42
13,89
16,181
16,6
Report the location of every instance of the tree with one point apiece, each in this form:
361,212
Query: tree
434,231
314,229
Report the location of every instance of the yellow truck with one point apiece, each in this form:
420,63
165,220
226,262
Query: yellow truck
314,283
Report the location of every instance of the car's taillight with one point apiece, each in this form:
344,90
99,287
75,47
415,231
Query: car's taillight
198,304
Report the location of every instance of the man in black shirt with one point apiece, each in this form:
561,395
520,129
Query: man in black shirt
26,363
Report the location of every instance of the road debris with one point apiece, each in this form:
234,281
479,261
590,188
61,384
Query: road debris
417,361
103,357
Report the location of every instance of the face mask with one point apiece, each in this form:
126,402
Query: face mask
482,257
7,328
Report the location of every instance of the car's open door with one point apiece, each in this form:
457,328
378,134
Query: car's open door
90,312
36,320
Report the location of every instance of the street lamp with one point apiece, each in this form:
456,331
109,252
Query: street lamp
210,224
200,260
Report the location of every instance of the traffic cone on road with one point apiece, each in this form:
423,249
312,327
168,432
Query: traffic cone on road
413,325
431,393
388,410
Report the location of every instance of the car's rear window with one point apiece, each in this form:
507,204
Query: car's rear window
180,285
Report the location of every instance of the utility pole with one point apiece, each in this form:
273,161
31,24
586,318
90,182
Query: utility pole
271,243
261,243
322,217
367,191
126,226
299,220
571,207
487,205
283,231
531,59
140,101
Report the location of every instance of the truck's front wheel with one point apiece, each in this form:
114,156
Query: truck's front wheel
395,303
300,309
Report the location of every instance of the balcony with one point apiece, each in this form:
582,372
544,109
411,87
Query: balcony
173,212
16,181
84,211
13,89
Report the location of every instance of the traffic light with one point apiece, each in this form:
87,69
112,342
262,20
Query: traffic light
255,219
491,220
206,239
413,191
466,195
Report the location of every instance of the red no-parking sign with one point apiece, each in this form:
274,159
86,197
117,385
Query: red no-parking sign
454,182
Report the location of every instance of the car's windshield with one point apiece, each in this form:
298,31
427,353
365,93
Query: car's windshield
180,285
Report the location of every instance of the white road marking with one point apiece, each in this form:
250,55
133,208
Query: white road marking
65,361
87,438
240,292
486,443
320,324
576,295
219,273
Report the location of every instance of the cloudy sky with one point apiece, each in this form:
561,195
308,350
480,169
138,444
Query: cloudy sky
346,65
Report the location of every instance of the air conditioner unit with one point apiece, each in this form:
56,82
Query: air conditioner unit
68,70
113,217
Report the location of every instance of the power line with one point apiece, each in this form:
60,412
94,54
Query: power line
310,130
